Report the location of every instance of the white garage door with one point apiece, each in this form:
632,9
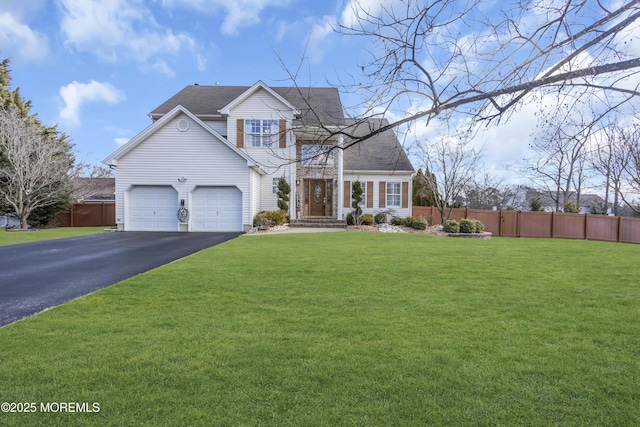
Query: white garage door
217,209
153,208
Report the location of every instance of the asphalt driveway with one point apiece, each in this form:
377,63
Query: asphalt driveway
39,275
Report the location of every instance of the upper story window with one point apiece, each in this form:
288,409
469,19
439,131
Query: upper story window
260,133
394,194
317,155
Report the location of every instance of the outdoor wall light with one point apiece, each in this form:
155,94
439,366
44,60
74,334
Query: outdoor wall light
182,179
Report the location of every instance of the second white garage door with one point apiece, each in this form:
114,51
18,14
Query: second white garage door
216,209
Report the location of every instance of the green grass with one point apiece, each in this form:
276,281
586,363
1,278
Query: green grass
13,237
346,329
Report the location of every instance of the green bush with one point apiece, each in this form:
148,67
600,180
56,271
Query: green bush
380,218
479,226
266,219
467,225
396,220
419,224
408,221
350,219
451,226
366,219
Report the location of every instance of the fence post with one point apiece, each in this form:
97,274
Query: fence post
71,215
586,226
553,224
619,227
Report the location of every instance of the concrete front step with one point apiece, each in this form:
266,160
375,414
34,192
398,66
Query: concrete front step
318,223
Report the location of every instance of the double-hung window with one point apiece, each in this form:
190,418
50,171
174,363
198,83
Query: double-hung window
260,133
394,194
274,185
317,155
363,202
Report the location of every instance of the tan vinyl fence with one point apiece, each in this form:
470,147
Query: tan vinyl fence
544,224
87,215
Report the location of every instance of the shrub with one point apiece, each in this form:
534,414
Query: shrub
366,219
451,226
396,220
467,225
479,226
408,221
380,218
266,219
350,219
283,194
419,224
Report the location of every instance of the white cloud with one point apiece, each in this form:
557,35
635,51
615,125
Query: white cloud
76,94
356,10
19,39
201,62
319,39
121,141
162,67
239,13
118,30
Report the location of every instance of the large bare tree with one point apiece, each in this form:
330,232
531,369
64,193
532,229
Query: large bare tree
610,159
454,163
34,166
442,58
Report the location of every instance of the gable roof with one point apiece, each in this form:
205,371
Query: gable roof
381,152
253,89
155,126
316,105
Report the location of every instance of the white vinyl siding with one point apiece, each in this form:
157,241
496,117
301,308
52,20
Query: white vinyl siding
263,106
168,154
374,179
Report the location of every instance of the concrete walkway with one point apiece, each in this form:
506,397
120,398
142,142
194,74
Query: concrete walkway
291,230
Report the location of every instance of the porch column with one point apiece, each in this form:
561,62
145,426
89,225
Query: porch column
340,177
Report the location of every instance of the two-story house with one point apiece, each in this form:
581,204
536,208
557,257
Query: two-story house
218,152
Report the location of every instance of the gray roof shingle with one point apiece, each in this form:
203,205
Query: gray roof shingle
317,105
381,152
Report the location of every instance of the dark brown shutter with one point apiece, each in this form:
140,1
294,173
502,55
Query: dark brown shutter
347,194
382,196
240,134
405,194
369,185
283,133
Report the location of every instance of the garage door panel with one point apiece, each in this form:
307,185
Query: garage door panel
153,208
217,209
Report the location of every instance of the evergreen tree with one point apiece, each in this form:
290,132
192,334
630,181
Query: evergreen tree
13,100
536,203
356,196
423,194
283,194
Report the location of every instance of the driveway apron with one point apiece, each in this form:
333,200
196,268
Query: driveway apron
40,275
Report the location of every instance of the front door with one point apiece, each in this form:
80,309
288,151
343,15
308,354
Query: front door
317,197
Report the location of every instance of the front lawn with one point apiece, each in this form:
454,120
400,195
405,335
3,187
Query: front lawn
13,237
333,329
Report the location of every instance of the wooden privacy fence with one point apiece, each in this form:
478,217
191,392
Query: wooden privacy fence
87,215
544,224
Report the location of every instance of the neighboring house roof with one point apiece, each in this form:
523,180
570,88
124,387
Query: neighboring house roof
86,188
381,152
316,105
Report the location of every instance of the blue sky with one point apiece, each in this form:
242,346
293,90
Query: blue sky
97,67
